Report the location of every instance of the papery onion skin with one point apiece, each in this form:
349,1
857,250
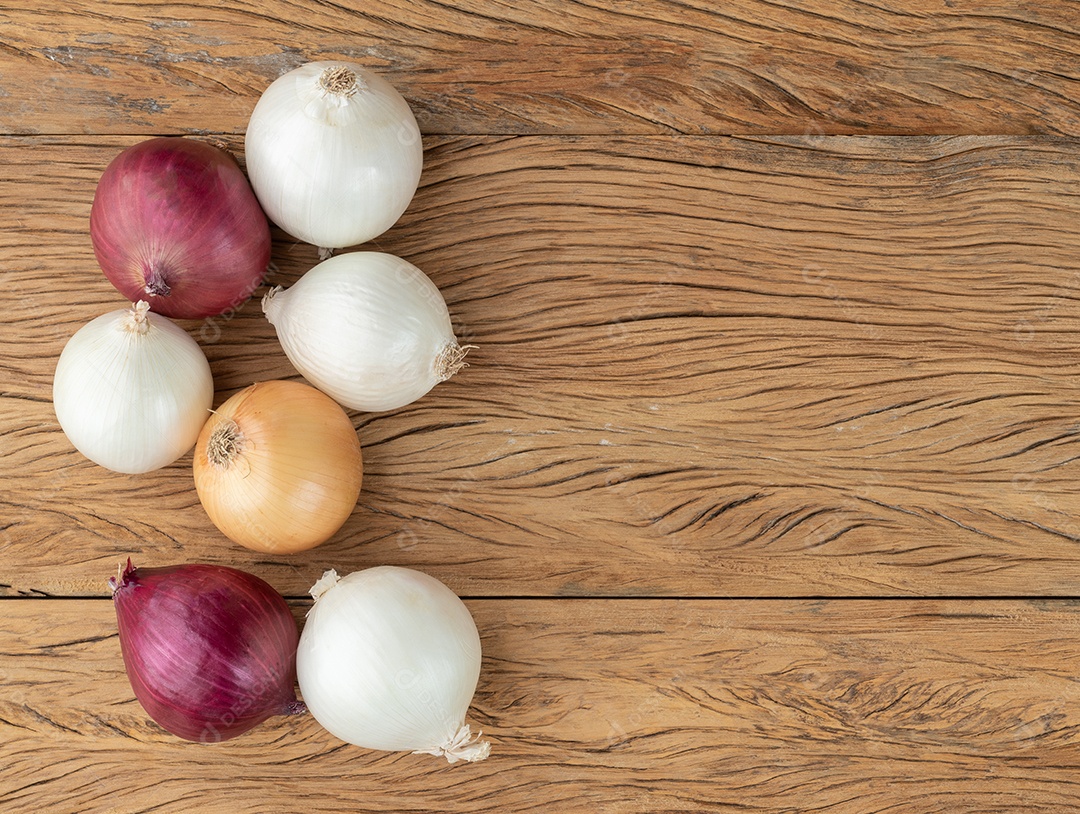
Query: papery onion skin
175,222
389,659
368,328
210,651
278,467
334,153
132,390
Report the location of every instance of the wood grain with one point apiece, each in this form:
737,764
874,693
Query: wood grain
832,357
555,66
710,366
844,707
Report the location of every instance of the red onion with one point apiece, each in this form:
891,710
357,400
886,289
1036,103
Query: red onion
176,223
210,651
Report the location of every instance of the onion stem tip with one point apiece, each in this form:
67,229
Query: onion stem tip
327,581
137,321
268,298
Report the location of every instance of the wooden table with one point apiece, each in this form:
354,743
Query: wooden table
762,484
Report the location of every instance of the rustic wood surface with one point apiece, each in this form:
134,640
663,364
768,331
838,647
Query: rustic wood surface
555,66
761,484
716,367
643,706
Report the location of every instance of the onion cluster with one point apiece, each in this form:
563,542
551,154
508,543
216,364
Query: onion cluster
334,155
390,657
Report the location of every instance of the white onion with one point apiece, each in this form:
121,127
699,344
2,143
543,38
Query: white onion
389,659
132,390
367,328
333,153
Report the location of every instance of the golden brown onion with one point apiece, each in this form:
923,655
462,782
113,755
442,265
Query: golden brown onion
278,467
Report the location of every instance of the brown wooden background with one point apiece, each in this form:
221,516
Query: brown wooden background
762,483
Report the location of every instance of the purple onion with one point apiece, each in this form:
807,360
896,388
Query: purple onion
175,223
210,651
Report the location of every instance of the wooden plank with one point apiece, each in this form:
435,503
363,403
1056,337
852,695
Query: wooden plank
713,367
472,66
846,707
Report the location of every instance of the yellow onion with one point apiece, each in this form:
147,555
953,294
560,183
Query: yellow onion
278,467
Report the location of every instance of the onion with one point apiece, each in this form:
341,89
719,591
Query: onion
210,651
368,328
389,659
278,467
334,153
175,223
132,390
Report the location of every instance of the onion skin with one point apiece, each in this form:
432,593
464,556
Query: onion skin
175,223
210,651
389,659
369,329
278,467
132,390
334,153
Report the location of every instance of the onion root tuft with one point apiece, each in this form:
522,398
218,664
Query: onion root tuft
451,359
225,444
339,81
